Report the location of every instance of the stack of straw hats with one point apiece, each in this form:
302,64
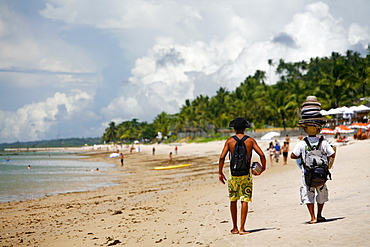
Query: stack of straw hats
311,115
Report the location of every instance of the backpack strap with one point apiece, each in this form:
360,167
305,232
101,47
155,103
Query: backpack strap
243,139
308,143
236,138
310,148
319,144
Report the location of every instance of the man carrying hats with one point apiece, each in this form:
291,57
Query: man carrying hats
240,187
312,122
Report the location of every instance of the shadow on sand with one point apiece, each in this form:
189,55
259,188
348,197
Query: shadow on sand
327,220
261,229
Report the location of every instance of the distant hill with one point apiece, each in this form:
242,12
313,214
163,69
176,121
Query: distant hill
68,142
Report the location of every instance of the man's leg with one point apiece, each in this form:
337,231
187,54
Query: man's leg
244,213
234,216
311,210
320,207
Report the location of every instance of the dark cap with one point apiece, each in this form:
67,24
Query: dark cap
239,123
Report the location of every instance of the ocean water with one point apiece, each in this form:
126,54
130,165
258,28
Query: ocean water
50,174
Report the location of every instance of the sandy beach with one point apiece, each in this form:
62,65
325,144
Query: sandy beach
189,207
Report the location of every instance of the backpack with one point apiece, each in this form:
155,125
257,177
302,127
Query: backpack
316,170
239,163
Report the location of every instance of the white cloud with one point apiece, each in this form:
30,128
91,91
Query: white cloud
36,65
358,34
164,78
171,72
33,121
177,50
23,50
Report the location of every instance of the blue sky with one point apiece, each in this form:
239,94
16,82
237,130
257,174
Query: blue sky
68,68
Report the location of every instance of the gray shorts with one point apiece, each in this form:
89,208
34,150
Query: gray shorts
308,193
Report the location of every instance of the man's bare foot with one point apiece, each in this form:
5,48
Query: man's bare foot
321,219
312,221
243,232
234,231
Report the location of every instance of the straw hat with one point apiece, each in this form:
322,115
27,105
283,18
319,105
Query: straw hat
312,130
312,120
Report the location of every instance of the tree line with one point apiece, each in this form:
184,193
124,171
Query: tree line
337,80
66,142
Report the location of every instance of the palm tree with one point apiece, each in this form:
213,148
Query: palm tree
218,106
111,132
270,63
162,123
201,106
130,130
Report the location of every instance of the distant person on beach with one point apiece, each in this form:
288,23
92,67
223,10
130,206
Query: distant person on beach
240,187
176,148
170,159
272,152
94,170
121,156
153,150
285,150
312,126
287,139
277,151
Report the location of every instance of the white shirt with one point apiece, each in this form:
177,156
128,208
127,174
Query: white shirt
301,147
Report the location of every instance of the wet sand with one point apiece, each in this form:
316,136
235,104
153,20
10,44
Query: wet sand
189,207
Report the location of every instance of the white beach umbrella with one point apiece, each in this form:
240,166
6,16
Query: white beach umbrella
269,135
353,108
113,155
342,109
348,111
334,111
324,113
362,108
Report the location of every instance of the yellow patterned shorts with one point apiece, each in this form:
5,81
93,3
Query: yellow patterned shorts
240,188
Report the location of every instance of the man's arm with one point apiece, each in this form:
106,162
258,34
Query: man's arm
259,151
330,150
293,156
221,162
331,157
296,153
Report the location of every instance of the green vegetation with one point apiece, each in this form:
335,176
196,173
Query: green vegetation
207,139
337,80
129,131
69,142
